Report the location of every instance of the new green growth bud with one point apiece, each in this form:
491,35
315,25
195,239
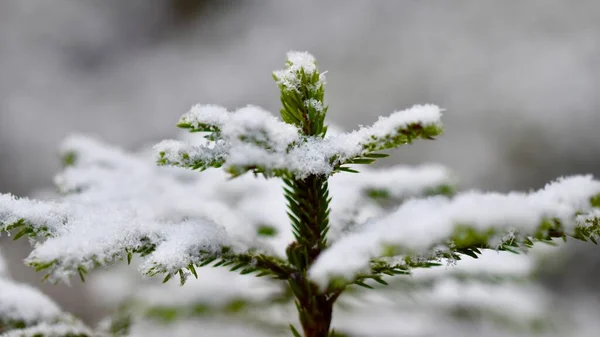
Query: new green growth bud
302,93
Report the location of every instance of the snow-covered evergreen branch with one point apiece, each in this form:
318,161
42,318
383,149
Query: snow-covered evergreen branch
428,229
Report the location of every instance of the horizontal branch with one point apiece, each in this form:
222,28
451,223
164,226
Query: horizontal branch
74,238
251,140
244,263
446,227
195,157
204,118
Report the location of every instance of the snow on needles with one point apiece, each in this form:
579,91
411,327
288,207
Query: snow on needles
251,137
355,197
253,124
426,115
204,115
183,244
418,226
121,204
119,201
289,77
83,235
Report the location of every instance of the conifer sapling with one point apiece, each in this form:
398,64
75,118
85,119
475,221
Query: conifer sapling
416,222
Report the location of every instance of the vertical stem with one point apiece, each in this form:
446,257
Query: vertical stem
302,94
308,200
315,314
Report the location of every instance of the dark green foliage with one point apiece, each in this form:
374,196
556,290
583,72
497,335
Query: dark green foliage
212,130
191,163
69,159
16,326
247,263
308,208
6,325
120,325
296,109
403,136
266,230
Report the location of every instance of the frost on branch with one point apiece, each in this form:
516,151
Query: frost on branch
424,230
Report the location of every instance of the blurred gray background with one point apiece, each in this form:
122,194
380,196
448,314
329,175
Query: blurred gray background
519,80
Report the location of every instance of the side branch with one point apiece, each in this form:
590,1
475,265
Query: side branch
440,227
470,242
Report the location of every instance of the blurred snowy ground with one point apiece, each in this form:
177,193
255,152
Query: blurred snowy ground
518,80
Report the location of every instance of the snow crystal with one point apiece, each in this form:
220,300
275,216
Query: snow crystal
417,225
314,104
296,61
302,60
